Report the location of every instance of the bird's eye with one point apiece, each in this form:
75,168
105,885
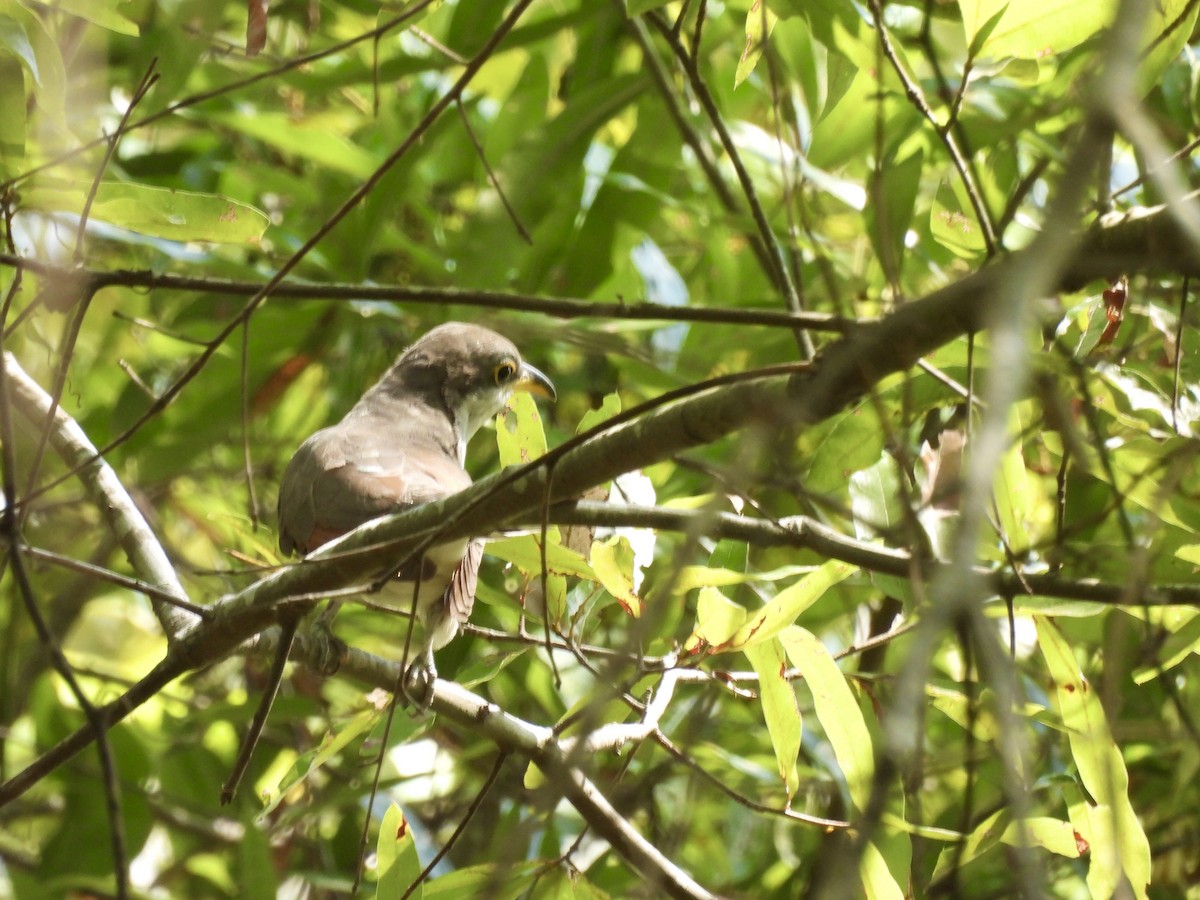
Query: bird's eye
504,372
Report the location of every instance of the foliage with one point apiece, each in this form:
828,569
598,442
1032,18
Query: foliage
951,671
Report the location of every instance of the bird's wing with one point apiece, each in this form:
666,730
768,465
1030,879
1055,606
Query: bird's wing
342,477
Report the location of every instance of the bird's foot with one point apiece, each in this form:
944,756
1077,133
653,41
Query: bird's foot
417,684
329,650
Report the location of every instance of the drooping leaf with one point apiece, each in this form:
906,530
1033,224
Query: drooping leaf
782,713
1119,847
836,709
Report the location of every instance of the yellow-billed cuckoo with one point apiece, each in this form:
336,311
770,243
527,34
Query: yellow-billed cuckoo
402,444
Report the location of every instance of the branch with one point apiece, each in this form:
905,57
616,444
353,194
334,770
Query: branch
802,532
104,488
92,280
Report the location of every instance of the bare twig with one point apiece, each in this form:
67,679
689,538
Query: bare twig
556,307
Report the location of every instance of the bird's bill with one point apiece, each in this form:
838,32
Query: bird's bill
532,381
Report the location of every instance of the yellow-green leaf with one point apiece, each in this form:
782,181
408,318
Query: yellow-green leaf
717,619
159,212
837,710
692,577
612,561
100,12
1035,28
524,552
1118,843
759,22
791,602
782,713
609,407
520,436
318,139
397,863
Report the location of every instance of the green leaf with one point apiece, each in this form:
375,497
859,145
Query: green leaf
692,577
101,12
837,710
14,39
1031,29
1041,832
875,498
609,407
782,713
319,140
496,882
25,36
759,22
637,7
1181,644
889,214
790,602
520,437
1119,846
953,224
878,881
1015,493
332,745
160,212
256,879
612,561
397,864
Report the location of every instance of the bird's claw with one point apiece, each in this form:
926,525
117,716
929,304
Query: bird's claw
329,649
417,685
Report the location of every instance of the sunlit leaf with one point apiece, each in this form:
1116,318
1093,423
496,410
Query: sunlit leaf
161,212
837,710
953,223
790,602
717,619
520,436
612,561
1119,847
759,23
396,863
105,13
1033,28
524,551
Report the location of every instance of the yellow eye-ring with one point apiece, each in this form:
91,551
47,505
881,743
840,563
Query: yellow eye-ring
504,372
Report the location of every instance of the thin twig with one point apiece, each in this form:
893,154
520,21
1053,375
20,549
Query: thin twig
476,803
487,167
110,148
555,307
688,62
1183,298
917,97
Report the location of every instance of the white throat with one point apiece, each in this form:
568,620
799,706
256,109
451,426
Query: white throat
474,412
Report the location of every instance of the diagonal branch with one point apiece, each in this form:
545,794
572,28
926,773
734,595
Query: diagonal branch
116,506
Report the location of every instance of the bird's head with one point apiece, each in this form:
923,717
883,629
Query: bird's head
472,370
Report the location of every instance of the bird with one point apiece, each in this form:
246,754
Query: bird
402,444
